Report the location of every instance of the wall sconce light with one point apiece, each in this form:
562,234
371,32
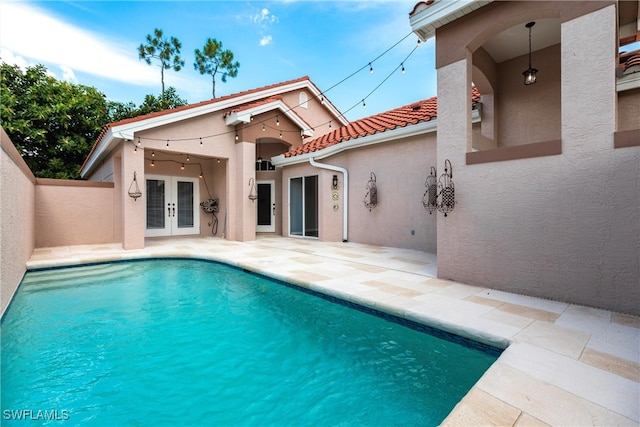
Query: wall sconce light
134,190
334,182
371,198
443,189
530,73
430,197
253,192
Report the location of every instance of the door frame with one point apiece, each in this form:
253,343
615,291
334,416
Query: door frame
268,228
171,194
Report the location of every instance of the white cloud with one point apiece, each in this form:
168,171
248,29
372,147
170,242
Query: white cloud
30,33
68,74
265,40
8,57
264,18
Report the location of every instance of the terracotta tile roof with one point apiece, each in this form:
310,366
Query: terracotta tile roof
629,59
254,104
421,111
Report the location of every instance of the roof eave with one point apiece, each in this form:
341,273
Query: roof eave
425,22
376,138
244,116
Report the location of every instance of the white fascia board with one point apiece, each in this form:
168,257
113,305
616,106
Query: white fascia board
628,82
245,115
376,138
425,22
105,145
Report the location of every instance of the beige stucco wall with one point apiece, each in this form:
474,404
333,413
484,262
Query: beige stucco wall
17,219
73,213
629,110
401,168
565,227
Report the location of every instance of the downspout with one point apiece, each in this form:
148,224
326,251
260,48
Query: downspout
345,210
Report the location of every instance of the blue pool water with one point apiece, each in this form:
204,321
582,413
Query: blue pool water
187,342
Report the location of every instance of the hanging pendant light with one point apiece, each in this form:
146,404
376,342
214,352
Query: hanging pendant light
530,73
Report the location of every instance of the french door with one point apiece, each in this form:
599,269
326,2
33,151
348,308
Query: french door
172,206
303,206
266,207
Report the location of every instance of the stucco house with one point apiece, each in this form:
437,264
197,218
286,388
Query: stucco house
216,149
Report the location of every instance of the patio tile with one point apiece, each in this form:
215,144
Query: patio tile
563,341
532,313
544,401
624,368
480,408
626,319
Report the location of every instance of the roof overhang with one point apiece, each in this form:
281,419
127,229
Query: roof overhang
244,116
428,16
127,131
376,138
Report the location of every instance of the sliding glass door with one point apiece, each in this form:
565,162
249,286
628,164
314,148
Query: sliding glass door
303,206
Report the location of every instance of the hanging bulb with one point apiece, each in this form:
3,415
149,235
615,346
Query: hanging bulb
280,134
370,68
135,149
167,142
322,100
138,141
182,166
419,42
153,153
329,124
200,142
236,136
363,104
277,121
263,128
218,160
200,176
188,158
402,67
153,163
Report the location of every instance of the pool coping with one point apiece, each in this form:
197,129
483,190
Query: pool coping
557,366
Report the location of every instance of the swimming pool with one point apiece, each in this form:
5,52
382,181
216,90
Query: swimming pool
187,342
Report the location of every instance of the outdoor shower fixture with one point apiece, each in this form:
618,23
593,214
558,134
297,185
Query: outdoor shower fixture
253,192
443,190
530,73
134,190
371,198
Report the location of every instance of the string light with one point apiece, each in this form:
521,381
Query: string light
153,153
321,95
263,127
153,163
187,157
329,124
182,166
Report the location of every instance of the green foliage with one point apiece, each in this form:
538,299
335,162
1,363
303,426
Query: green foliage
212,59
166,50
168,100
52,123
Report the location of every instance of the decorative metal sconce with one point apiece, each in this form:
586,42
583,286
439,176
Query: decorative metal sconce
334,182
134,190
430,198
446,191
530,73
371,198
253,192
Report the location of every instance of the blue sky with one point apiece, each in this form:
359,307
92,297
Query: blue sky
95,43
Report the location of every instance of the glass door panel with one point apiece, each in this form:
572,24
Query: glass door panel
266,207
172,206
303,206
